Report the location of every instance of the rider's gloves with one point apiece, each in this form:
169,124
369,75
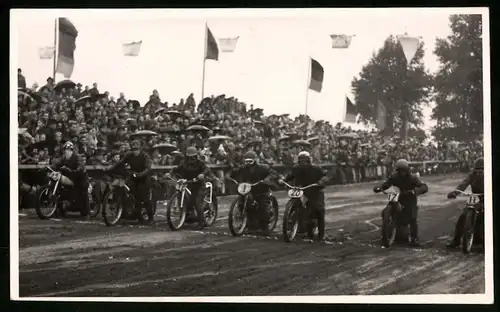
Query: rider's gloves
201,177
281,182
377,189
266,181
134,175
452,195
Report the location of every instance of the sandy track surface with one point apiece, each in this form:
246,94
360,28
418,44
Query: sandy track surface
72,258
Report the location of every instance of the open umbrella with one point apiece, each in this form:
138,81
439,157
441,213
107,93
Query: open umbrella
65,84
165,148
143,133
313,139
160,110
351,135
176,153
258,122
198,128
33,96
285,138
174,113
83,98
301,142
219,138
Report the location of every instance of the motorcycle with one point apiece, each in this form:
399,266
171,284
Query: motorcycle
121,202
474,209
210,205
244,189
58,198
297,214
391,215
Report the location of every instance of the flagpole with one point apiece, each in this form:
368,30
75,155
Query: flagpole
308,82
204,63
55,50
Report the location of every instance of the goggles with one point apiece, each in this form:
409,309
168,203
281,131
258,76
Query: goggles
249,161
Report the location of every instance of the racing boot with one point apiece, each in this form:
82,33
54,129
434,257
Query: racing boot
414,234
85,204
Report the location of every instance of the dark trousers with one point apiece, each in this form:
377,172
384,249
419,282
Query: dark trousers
316,209
408,216
80,191
260,214
140,188
459,227
196,200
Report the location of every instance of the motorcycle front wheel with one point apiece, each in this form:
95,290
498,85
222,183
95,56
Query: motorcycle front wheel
174,210
468,237
388,227
290,221
112,208
234,215
46,206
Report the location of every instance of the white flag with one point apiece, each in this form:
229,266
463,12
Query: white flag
409,45
341,41
228,44
46,53
132,48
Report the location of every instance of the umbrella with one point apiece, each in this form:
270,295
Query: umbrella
218,137
144,133
285,138
65,84
84,98
258,122
176,153
159,110
33,96
165,148
174,113
197,128
301,142
351,135
315,138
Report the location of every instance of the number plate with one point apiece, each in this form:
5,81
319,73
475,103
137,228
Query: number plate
473,200
244,188
393,197
295,193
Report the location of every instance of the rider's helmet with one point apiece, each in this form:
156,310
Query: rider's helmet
250,158
68,146
304,158
402,166
191,154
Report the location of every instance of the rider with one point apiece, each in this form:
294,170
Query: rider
193,168
72,167
304,174
139,182
476,181
410,187
252,172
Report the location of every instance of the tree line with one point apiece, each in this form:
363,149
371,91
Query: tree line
455,90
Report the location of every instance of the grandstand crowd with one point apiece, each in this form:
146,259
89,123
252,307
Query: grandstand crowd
225,128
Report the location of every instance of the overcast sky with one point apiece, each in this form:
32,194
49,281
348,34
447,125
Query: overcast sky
269,67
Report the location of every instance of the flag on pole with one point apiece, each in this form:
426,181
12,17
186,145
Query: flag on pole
341,41
381,115
211,50
228,44
350,111
66,47
317,74
46,53
409,45
132,48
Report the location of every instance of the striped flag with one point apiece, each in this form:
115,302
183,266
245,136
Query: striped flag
46,53
66,47
341,41
381,115
228,44
317,75
211,50
132,48
350,111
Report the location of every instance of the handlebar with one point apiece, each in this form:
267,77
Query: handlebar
303,188
183,180
469,194
390,193
254,184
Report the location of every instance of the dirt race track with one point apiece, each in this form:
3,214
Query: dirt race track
72,258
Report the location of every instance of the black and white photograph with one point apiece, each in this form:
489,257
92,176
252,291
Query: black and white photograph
251,155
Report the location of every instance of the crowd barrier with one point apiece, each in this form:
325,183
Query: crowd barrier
339,174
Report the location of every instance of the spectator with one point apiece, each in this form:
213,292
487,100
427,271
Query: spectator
21,81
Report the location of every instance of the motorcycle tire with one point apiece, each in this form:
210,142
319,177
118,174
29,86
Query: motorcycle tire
469,231
52,204
389,227
171,224
213,210
234,231
290,221
106,207
274,214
